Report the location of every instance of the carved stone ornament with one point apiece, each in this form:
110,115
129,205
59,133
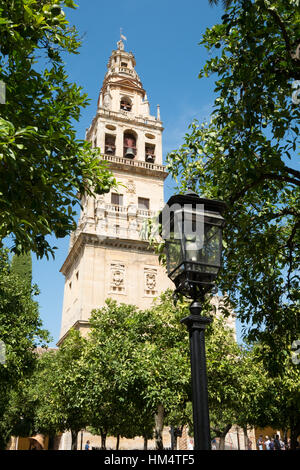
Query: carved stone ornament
131,188
107,99
151,281
150,275
117,277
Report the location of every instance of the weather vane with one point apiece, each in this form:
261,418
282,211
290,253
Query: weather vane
122,35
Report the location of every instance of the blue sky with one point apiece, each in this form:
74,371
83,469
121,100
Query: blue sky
164,37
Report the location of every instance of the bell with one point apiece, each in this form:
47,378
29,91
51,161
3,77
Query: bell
129,152
109,149
150,158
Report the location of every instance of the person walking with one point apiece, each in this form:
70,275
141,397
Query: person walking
277,445
87,446
282,444
214,444
260,442
267,443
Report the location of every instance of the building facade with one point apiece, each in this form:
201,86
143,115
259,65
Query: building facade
107,256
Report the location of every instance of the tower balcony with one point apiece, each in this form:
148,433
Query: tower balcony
114,208
137,166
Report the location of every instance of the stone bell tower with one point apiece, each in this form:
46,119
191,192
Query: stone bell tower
107,255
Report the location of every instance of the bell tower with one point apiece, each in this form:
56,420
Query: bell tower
107,255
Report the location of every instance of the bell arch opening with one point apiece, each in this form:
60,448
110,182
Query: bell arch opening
125,103
130,140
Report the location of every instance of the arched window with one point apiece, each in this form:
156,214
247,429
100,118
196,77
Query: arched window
150,153
110,144
125,104
129,144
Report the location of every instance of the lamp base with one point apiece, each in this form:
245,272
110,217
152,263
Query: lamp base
196,326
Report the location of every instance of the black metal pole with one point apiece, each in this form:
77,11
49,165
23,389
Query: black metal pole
172,438
196,326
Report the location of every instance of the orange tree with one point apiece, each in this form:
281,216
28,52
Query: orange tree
245,156
21,331
44,168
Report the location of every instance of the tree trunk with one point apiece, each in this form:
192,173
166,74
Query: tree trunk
245,438
238,438
222,442
172,432
285,438
74,435
159,424
175,442
222,435
295,431
145,443
103,440
118,442
51,442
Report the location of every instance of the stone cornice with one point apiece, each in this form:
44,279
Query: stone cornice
88,239
127,83
76,326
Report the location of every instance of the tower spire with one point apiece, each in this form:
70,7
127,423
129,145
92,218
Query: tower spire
120,43
106,253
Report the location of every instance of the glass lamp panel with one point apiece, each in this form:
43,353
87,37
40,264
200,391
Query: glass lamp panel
192,245
189,228
210,254
174,254
188,221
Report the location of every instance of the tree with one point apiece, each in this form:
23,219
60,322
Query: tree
20,411
139,368
44,168
22,266
223,373
225,3
21,332
276,402
59,387
166,363
244,157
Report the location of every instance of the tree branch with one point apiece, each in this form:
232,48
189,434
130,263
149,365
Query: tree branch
283,212
260,179
290,246
281,25
288,179
293,172
294,56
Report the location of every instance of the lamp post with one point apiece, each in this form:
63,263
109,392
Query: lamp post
192,230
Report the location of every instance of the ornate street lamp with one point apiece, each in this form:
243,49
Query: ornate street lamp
192,230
